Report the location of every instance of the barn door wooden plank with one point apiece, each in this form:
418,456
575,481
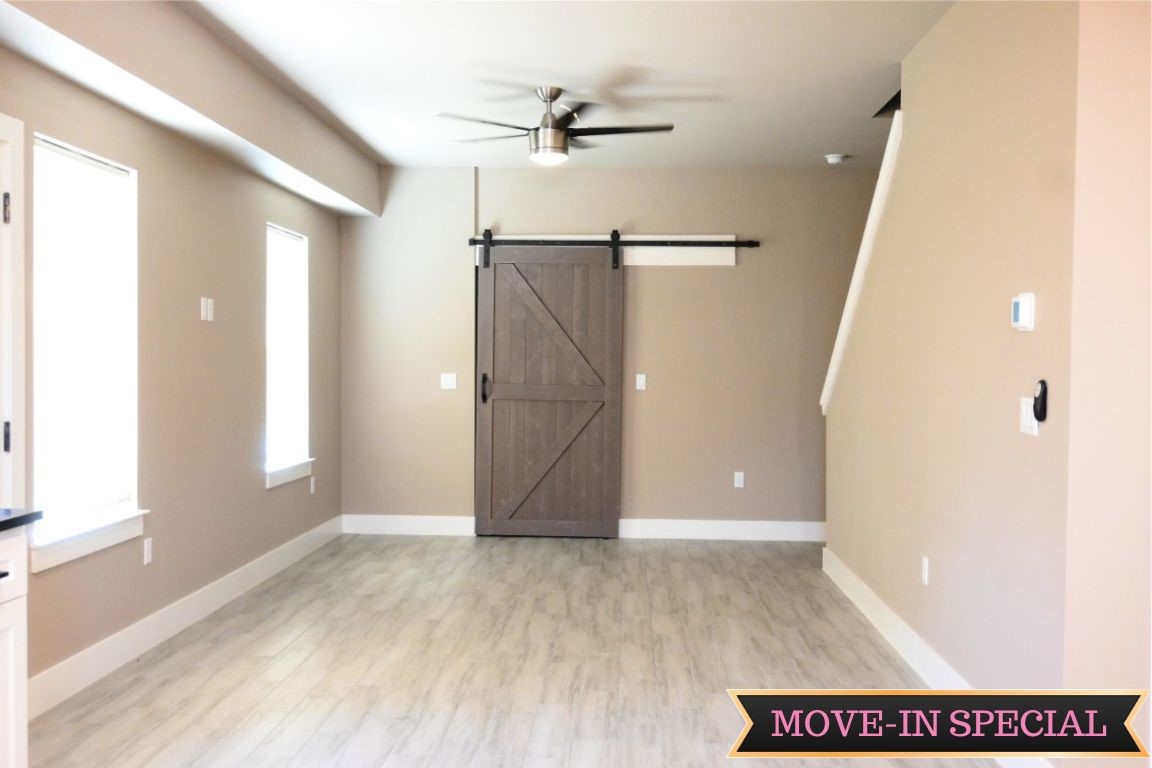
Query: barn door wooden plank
548,323
485,369
548,458
566,392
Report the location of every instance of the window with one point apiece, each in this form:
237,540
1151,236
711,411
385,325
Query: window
84,342
286,451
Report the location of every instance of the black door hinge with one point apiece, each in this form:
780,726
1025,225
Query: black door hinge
7,437
7,208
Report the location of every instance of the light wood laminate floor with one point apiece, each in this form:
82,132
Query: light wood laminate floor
413,651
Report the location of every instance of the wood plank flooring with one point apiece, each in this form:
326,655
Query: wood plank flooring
381,651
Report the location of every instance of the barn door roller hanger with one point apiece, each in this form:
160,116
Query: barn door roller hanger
488,242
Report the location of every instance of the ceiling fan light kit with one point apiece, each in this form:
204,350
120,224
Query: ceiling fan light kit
549,142
548,146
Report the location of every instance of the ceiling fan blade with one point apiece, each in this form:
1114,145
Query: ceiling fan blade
465,118
607,130
491,138
573,113
578,143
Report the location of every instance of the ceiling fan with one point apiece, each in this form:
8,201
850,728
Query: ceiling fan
548,143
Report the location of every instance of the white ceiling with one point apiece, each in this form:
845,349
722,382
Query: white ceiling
746,83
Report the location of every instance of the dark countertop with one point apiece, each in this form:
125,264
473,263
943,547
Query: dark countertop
14,518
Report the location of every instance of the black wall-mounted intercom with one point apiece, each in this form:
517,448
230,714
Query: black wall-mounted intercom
1040,400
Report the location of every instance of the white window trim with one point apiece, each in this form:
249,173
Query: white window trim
287,474
126,524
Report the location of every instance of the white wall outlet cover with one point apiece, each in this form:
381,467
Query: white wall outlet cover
447,381
737,479
207,309
1028,423
641,381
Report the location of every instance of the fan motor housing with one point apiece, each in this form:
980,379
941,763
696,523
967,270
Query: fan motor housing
548,140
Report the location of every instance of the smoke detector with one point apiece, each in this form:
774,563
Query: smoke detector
836,158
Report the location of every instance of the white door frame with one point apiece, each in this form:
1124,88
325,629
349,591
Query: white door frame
13,341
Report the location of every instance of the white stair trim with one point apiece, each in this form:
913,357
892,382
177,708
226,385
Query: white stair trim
863,258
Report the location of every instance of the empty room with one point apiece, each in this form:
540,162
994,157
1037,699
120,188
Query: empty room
559,384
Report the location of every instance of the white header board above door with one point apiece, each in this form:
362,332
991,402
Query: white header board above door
654,256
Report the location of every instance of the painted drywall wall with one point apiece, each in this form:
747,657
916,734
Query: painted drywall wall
407,311
167,47
734,356
924,453
1110,448
201,233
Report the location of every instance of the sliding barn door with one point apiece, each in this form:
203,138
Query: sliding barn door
548,390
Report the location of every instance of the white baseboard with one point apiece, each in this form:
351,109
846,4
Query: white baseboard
721,530
77,672
411,525
932,668
630,528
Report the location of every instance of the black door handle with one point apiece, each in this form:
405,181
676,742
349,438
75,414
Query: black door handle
3,574
484,388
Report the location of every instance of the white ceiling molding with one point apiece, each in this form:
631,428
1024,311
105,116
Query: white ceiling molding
53,50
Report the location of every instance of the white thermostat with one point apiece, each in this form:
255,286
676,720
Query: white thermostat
1024,311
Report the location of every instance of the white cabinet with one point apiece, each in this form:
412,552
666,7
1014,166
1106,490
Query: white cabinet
13,649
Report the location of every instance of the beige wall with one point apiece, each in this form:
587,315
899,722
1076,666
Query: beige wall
164,46
201,385
406,303
924,452
734,356
1106,626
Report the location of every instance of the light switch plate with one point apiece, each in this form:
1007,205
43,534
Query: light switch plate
207,309
1028,423
447,381
737,479
641,381
924,570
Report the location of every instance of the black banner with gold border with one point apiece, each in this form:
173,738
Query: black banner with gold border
937,723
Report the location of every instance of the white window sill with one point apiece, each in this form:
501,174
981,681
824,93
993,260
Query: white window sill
122,526
289,473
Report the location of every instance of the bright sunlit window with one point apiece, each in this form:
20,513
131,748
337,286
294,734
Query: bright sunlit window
287,454
84,341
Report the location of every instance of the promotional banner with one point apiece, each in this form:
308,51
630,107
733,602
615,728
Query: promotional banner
927,723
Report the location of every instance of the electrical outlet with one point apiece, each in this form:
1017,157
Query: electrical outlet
641,381
737,479
924,569
447,381
148,551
